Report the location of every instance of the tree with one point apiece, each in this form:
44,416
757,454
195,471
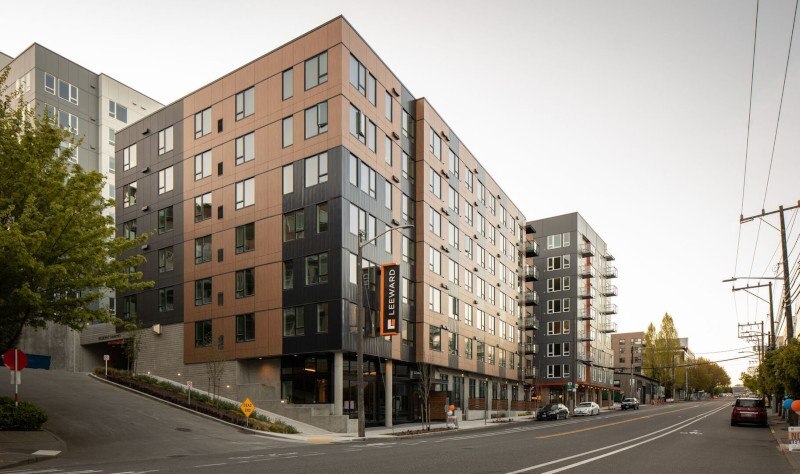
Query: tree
651,367
426,385
708,376
58,249
133,344
663,354
215,369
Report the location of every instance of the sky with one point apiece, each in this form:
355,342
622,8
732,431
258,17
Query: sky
633,113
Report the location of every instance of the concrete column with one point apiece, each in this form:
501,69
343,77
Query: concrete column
467,396
338,383
488,399
388,392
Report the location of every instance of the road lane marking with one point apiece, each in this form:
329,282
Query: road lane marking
213,465
629,420
680,425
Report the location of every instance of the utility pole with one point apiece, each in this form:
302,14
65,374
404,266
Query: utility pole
771,334
787,297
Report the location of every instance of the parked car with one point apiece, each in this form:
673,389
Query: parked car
586,408
749,410
553,411
632,403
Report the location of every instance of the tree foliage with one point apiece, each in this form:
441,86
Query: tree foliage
58,249
663,354
778,373
708,376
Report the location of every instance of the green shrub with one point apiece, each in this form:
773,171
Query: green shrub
25,417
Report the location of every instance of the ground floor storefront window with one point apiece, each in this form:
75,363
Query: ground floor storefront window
306,379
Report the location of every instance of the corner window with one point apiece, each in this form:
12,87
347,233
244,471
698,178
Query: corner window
387,106
316,169
358,75
322,317
316,70
117,111
322,217
245,103
293,322
49,83
317,269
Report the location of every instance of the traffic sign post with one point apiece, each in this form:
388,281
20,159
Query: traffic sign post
105,359
247,408
189,387
15,360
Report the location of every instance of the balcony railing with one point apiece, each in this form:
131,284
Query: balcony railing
608,327
583,355
609,256
585,336
531,273
530,372
531,323
586,249
586,271
610,272
531,248
585,313
586,292
609,309
531,298
609,290
531,348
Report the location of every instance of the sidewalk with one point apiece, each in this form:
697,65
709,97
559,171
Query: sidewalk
780,429
22,447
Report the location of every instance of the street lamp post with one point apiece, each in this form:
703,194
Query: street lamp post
360,334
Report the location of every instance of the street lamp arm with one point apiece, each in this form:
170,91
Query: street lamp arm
388,229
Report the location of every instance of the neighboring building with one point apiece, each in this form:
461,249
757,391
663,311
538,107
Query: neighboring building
628,359
575,313
92,106
255,188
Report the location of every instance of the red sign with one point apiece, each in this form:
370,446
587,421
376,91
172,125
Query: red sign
15,359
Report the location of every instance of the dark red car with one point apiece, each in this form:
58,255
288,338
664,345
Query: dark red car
749,410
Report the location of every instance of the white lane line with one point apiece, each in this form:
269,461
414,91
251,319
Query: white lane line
676,426
213,465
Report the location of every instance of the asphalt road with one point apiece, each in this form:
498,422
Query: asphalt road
110,430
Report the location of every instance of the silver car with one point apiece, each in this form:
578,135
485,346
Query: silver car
586,408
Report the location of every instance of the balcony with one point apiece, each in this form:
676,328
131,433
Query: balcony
531,298
585,313
586,249
531,273
586,292
586,271
529,228
609,309
531,348
584,336
609,290
531,248
530,372
531,323
608,256
608,327
584,356
610,272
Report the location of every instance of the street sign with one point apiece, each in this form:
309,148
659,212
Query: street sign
189,383
106,357
247,407
794,438
15,359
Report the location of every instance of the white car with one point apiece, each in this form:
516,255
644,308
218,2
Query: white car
586,408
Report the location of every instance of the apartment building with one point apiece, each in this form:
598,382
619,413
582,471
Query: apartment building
93,107
256,188
628,352
571,352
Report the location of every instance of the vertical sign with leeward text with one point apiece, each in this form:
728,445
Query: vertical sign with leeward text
390,299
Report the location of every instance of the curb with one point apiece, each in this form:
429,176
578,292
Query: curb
266,434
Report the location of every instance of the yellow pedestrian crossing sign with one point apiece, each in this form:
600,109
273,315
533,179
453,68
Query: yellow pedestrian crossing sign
247,407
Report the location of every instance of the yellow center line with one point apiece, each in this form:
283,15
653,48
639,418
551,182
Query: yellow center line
611,424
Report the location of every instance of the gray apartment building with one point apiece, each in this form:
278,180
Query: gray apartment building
93,106
571,302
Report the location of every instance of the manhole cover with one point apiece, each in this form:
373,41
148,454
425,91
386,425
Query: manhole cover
185,430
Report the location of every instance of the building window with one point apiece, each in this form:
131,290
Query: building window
407,124
245,283
202,207
387,195
117,111
316,70
293,322
202,165
317,269
165,220
129,308
371,96
288,131
358,75
129,230
245,327
49,83
245,193
288,179
322,317
358,124
435,222
434,299
453,199
202,123
246,238
166,260
129,194
293,225
245,103
202,292
287,83
68,92
129,158
387,151
407,165
408,250
68,122
481,356
317,169
202,333
372,136
245,148
288,275
387,106
434,261
435,184
165,140
202,249
322,217
452,235
435,339
408,211
166,299
435,145
112,137
316,119
468,348
165,180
